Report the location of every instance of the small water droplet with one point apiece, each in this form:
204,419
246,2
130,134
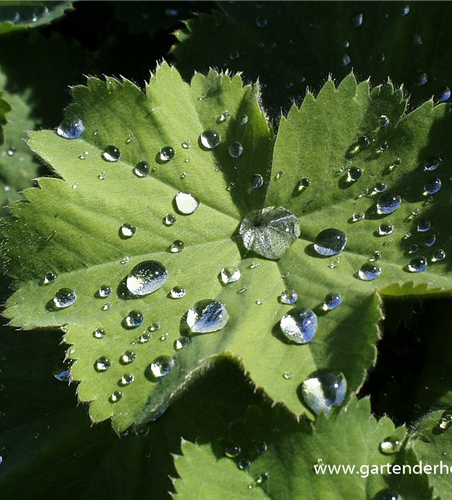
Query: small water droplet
181,343
417,265
379,187
125,260
126,379
209,139
357,20
357,217
383,121
331,301
166,154
176,246
270,231
334,263
141,169
99,333
146,277
70,128
244,464
160,367
235,150
128,357
104,291
388,203
430,241
144,338
232,450
288,297
299,325
62,372
303,184
261,22
169,219
133,319
186,203
115,397
186,144
106,306
129,139
230,275
369,271
111,153
390,445
279,175
126,231
243,120
49,277
423,226
223,117
288,374
420,78
443,95
102,364
257,181
354,174
163,337
330,242
206,316
323,390
65,297
431,163
177,292
432,187
261,447
439,255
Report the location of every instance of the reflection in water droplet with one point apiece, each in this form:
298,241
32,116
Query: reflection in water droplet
126,379
206,316
65,297
186,203
331,301
160,367
70,128
146,277
388,203
133,319
62,372
166,154
369,271
102,364
417,265
181,343
354,174
177,292
383,121
115,397
128,357
141,169
126,231
49,277
111,153
323,390
104,291
288,297
390,445
99,333
209,139
235,150
299,325
230,275
270,231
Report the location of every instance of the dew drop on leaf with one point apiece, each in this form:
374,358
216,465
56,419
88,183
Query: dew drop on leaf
49,277
146,277
169,219
206,316
423,226
243,119
166,154
126,379
303,184
431,163
186,203
288,297
181,343
160,367
299,325
176,246
61,371
439,255
235,150
389,446
209,139
63,298
244,464
261,22
133,319
383,121
230,275
323,390
354,174
388,203
111,153
357,20
331,301
330,242
115,397
70,129
141,169
177,292
420,78
232,450
223,117
104,291
99,333
128,357
430,241
417,265
102,364
369,271
432,187
270,231
257,181
126,231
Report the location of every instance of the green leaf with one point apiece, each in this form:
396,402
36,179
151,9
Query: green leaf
349,439
290,46
16,16
79,240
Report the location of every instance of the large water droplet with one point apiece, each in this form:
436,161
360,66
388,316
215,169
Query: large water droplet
269,232
186,203
331,301
330,242
70,128
65,297
141,169
388,203
160,367
299,325
303,184
166,154
369,271
146,277
102,364
111,153
390,445
417,265
133,319
244,464
323,390
206,316
235,150
209,139
230,275
288,297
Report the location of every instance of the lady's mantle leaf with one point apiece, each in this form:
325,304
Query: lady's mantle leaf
267,442
94,228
